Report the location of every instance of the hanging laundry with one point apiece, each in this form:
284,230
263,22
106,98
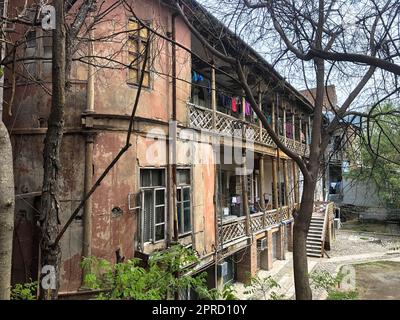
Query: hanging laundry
228,102
255,115
302,138
208,86
247,110
289,130
195,77
234,104
220,99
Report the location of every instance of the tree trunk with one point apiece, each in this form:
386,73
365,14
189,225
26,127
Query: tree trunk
6,212
300,230
50,255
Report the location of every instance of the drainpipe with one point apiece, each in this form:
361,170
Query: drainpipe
174,133
87,210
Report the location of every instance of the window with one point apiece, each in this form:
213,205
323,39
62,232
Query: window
30,52
47,52
153,193
183,201
137,42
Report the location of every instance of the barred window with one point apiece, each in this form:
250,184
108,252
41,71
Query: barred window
137,41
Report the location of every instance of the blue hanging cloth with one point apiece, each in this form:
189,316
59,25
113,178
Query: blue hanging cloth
195,77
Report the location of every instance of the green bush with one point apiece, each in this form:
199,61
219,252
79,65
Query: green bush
342,295
264,286
330,283
167,273
24,291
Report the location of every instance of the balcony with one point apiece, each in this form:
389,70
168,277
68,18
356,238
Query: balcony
232,229
226,125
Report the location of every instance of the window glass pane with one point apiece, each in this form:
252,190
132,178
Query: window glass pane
157,177
178,194
183,176
186,213
132,75
132,48
31,39
145,180
179,209
160,197
160,214
148,208
186,194
160,234
133,26
146,79
144,32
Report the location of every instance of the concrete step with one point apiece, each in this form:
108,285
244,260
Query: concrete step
315,224
313,247
317,255
312,241
314,232
314,236
313,251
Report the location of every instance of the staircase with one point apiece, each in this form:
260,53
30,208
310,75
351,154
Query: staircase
315,237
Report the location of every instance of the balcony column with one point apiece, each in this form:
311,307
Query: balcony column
262,177
247,265
266,257
284,124
309,130
273,117
243,107
281,243
300,128
295,182
213,98
286,180
275,183
261,109
294,126
245,198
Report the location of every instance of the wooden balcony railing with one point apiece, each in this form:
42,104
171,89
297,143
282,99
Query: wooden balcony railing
226,125
234,229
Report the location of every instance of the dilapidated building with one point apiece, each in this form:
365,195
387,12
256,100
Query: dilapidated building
201,167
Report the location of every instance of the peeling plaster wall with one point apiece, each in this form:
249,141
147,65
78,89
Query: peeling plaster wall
113,96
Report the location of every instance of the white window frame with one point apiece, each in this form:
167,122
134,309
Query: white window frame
180,189
154,189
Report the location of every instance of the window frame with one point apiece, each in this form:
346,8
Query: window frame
180,188
153,223
135,40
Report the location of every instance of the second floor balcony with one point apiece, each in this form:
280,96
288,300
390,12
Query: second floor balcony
226,125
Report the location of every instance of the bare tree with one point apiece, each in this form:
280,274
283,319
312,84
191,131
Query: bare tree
6,212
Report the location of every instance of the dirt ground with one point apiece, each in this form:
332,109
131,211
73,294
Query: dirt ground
388,228
379,280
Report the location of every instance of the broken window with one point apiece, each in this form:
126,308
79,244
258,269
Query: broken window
183,201
47,52
152,183
30,52
138,37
